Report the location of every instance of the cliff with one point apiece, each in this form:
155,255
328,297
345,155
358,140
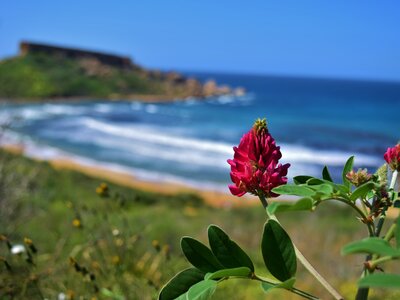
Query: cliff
46,71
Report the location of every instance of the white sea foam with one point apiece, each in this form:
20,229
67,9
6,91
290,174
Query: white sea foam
103,108
290,153
159,138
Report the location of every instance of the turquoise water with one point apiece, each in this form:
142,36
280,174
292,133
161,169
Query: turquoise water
316,122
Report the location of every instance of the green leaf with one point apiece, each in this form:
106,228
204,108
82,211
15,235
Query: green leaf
324,188
297,190
372,245
347,168
202,290
229,254
380,280
362,191
278,251
236,272
287,285
315,181
326,175
301,179
200,255
180,283
305,203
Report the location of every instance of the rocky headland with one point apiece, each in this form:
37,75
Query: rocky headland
47,72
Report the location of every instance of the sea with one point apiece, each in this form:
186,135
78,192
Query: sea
316,122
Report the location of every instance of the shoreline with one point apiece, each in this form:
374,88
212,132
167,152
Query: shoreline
212,198
144,98
139,98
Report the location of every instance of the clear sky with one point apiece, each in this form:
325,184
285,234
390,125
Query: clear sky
338,38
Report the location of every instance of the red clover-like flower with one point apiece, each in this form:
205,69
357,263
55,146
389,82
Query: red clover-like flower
392,157
254,167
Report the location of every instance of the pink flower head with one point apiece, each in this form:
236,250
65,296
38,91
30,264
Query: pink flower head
254,167
392,157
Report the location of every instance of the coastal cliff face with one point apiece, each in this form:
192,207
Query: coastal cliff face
46,71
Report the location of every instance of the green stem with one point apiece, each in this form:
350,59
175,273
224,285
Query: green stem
370,226
362,293
303,260
390,233
373,263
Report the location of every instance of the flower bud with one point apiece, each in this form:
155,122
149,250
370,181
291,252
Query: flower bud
392,157
358,178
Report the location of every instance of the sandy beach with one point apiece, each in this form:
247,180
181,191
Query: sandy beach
212,198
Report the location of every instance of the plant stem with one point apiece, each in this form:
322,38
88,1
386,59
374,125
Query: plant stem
374,263
362,293
303,260
389,234
370,226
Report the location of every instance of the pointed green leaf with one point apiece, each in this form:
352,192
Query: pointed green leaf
380,280
229,254
301,179
326,175
347,168
302,204
200,255
297,190
372,245
235,272
278,251
287,285
362,191
180,283
202,290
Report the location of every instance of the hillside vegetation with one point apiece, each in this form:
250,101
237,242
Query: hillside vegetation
40,75
98,241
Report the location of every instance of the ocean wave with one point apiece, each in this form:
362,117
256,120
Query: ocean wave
38,112
199,149
160,138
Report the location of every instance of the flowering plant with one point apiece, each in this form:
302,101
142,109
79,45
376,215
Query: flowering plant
255,169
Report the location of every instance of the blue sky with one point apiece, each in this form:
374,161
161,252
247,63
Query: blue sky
345,39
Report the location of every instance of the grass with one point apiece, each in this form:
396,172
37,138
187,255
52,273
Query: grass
126,246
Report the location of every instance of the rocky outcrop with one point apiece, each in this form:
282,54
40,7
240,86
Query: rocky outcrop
108,66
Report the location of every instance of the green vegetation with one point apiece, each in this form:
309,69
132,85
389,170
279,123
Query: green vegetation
121,243
36,76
